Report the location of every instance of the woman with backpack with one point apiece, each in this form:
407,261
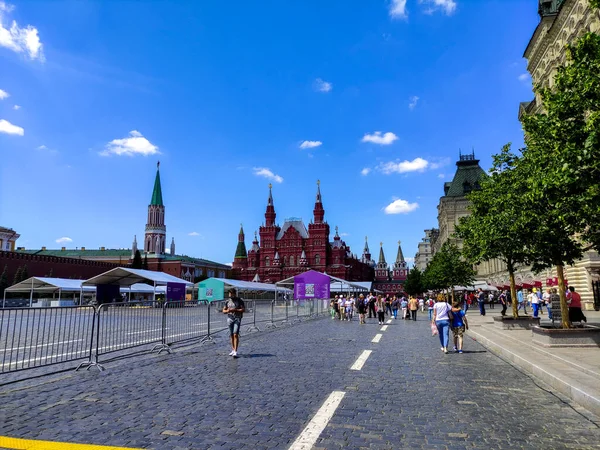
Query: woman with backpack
442,314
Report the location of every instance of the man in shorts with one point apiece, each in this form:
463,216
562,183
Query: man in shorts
234,308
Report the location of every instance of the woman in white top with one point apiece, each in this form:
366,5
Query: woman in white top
442,313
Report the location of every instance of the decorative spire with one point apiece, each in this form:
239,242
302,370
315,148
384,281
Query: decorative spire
172,245
318,212
270,213
240,251
400,256
255,246
134,246
366,249
381,255
157,199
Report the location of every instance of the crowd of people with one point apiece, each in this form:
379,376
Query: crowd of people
344,307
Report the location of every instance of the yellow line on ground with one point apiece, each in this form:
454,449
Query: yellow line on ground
30,444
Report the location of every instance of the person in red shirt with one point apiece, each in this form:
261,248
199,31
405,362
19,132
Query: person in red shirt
575,312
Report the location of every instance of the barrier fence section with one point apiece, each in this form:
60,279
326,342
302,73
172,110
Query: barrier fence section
36,337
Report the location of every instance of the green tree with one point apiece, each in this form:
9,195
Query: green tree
562,159
447,269
24,273
500,224
18,275
145,263
4,280
414,283
137,260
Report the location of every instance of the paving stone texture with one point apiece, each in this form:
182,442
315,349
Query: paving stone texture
407,395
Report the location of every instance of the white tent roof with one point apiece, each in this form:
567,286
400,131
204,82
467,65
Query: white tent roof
45,284
124,276
350,284
248,285
339,287
143,288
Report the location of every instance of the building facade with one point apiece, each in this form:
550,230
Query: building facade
280,252
8,239
390,280
154,251
454,204
424,251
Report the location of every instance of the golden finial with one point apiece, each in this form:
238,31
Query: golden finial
318,182
398,242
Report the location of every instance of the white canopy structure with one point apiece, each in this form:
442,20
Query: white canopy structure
126,277
346,286
49,286
245,286
339,287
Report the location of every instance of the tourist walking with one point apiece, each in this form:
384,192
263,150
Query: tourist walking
404,306
395,306
503,302
441,318
372,301
430,304
532,298
380,304
574,302
422,304
481,301
546,300
234,308
388,305
491,300
459,325
361,308
413,305
521,301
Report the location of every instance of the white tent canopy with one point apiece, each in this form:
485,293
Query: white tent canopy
246,286
49,286
124,276
339,287
347,285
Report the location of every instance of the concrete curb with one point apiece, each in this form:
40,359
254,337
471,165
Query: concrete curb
574,390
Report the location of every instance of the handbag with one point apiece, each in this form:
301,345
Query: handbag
434,329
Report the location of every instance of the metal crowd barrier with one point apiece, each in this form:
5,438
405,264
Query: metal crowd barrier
36,337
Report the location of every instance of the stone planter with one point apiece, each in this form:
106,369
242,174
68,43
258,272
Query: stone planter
573,337
520,323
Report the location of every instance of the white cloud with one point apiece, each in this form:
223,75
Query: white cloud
413,102
135,144
400,206
9,128
441,162
447,6
17,107
64,240
194,233
524,77
20,40
322,85
344,234
310,144
398,9
442,176
366,171
268,174
42,147
3,94
379,138
416,165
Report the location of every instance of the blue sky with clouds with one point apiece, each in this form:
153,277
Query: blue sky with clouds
374,98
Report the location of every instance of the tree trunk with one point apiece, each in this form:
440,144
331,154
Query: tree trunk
564,308
513,293
452,296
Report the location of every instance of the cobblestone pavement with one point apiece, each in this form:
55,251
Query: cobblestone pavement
407,395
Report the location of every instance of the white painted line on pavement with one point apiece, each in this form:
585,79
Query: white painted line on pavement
389,321
362,359
383,328
38,346
315,427
147,331
377,338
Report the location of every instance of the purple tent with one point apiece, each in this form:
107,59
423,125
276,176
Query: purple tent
311,284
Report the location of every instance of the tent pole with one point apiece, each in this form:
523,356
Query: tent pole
59,294
31,294
130,293
4,299
81,296
154,293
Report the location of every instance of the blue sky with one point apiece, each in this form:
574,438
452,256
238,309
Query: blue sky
373,97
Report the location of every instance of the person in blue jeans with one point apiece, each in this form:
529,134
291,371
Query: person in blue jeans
395,306
481,301
442,313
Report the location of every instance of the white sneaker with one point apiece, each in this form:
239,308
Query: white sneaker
232,352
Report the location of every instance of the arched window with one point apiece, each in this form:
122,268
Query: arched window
317,259
267,261
291,261
285,261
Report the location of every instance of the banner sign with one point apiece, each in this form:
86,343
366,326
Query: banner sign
175,292
108,293
311,285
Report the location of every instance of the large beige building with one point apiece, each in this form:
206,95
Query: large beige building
424,252
561,23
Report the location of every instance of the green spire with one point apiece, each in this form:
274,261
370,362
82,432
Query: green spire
157,192
381,255
240,251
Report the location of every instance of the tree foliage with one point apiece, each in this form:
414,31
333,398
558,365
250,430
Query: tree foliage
18,275
137,262
447,269
562,163
500,224
414,282
4,280
145,263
